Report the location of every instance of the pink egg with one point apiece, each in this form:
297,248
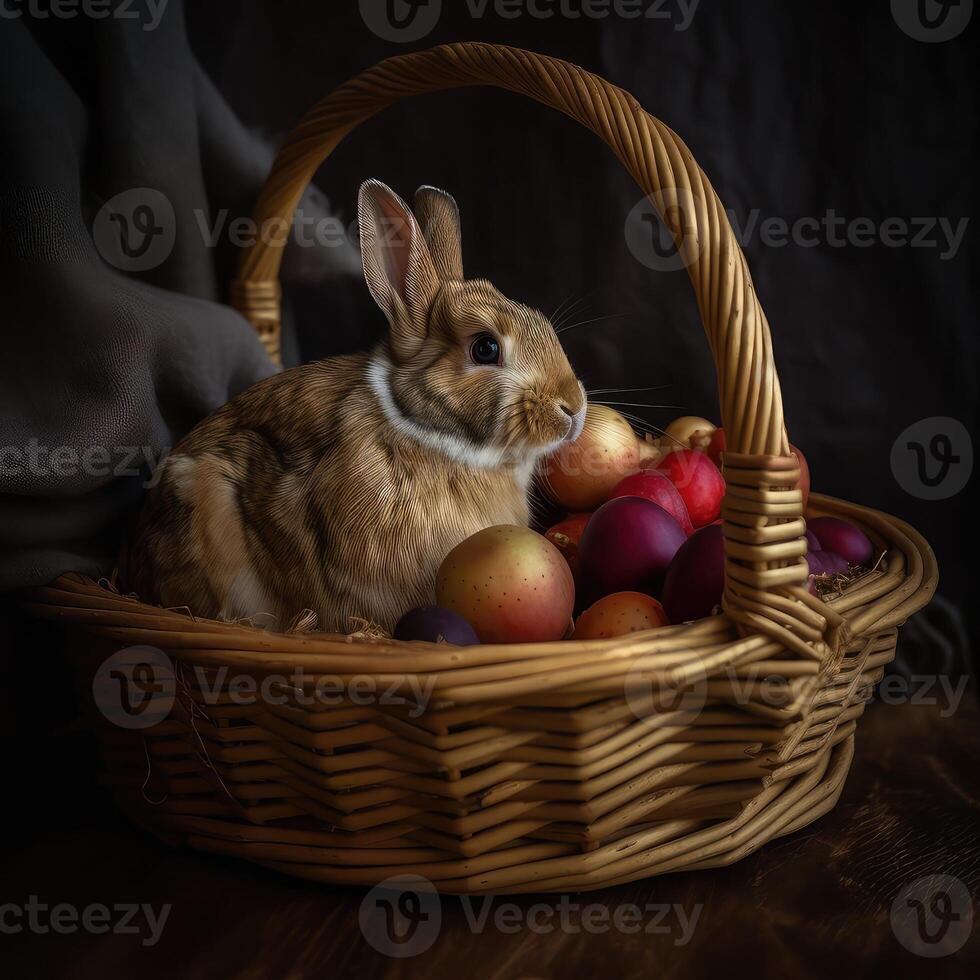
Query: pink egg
825,563
842,538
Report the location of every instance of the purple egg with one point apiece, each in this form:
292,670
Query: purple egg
825,563
696,577
435,624
812,541
843,539
627,546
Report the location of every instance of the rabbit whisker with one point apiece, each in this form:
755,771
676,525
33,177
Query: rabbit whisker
585,323
596,401
610,391
643,425
566,308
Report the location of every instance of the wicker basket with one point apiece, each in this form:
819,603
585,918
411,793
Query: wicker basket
537,767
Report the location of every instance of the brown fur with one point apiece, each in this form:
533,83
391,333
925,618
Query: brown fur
303,493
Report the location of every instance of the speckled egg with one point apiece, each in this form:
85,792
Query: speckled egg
619,614
510,583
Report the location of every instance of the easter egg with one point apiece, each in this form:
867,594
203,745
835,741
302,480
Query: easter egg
627,546
510,583
619,614
434,624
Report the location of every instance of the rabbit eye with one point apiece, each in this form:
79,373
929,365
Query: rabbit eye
485,350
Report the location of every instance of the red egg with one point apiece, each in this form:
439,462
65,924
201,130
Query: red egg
655,486
511,584
627,546
696,577
698,481
716,446
804,483
565,536
619,614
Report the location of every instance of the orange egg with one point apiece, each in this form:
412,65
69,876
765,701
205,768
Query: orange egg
618,614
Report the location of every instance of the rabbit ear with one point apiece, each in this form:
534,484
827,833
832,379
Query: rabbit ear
398,268
438,215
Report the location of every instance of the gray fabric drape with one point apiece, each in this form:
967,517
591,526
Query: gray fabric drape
114,342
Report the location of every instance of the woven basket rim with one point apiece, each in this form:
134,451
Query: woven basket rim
881,604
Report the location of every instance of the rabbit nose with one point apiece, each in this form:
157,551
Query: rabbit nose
576,421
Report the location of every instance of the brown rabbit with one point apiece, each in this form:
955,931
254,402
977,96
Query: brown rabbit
340,485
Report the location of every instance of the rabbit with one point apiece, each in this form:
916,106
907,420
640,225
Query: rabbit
339,486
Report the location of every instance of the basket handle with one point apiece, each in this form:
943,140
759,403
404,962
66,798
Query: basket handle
762,514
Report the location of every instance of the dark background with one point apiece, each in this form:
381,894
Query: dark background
791,109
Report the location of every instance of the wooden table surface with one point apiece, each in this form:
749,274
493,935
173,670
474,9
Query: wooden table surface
816,904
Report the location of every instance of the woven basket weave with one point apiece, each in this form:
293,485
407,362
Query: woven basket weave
552,766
